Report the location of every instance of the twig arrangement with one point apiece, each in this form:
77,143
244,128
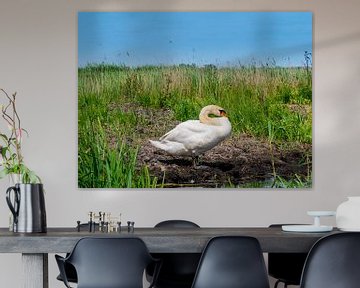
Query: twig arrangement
11,158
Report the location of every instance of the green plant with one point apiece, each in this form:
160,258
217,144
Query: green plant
103,166
296,182
11,158
271,139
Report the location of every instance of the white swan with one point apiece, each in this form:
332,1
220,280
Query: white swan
194,137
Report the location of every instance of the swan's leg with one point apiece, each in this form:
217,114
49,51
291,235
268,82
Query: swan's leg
196,161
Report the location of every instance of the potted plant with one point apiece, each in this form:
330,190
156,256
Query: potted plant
26,197
11,159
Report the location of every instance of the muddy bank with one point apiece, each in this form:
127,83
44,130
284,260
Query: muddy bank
235,162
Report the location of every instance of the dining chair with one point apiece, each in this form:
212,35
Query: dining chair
108,263
70,271
333,262
232,262
178,269
285,267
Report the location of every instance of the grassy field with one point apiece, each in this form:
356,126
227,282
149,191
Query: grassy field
267,102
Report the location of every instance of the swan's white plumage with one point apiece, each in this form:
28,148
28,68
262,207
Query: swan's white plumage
194,137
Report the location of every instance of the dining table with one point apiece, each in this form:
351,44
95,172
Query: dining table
35,247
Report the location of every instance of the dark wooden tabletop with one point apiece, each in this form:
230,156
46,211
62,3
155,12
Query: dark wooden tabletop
158,240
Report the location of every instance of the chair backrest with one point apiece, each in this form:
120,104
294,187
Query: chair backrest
176,224
287,267
333,262
178,269
110,262
232,262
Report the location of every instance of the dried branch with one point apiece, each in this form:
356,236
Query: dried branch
11,156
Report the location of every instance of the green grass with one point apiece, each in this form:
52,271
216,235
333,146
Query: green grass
110,167
254,98
297,182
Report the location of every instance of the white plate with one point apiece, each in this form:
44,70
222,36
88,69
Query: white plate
306,228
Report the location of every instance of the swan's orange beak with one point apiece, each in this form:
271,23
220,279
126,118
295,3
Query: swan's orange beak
223,113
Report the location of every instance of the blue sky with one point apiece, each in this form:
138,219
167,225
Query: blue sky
170,38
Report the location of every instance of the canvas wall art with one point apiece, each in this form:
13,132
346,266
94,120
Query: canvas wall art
195,99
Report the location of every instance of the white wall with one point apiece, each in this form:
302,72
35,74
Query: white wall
38,59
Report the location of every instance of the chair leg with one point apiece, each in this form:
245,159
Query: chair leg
279,281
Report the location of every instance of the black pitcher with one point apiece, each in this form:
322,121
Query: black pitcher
28,207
